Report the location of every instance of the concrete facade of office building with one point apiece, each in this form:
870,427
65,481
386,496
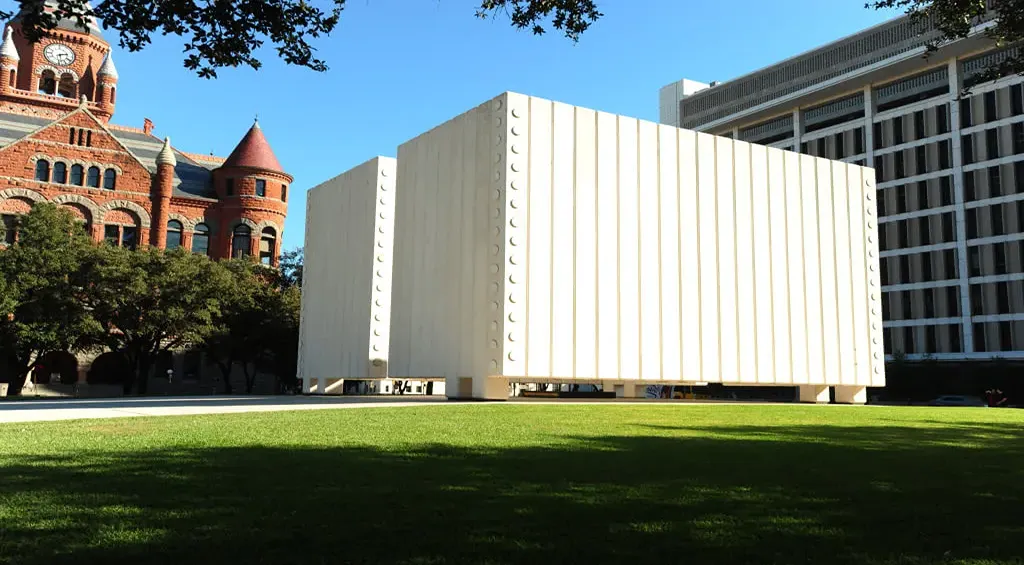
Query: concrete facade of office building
948,150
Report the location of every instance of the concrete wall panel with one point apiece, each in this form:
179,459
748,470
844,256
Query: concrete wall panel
346,294
538,240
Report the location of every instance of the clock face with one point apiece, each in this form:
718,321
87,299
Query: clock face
59,54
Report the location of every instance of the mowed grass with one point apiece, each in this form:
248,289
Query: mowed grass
537,484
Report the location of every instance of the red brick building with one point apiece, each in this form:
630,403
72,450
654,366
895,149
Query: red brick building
130,188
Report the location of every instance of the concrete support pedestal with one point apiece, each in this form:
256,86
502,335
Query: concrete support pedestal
629,390
814,394
851,395
333,386
476,388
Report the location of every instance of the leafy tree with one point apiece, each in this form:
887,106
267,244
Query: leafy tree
228,33
149,301
237,336
42,294
281,356
290,268
954,19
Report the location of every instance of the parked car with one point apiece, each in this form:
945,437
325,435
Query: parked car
958,400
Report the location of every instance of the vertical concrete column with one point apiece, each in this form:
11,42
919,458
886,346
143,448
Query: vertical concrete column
955,86
851,394
798,129
816,394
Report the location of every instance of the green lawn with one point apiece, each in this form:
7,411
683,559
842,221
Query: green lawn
537,484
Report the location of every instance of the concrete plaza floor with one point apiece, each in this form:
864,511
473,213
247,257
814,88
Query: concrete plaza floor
31,410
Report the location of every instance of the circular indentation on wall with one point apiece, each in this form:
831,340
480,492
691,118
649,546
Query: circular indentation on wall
878,355
513,241
869,195
513,221
498,122
515,112
874,326
512,298
513,184
870,226
376,333
515,130
499,104
376,348
498,139
870,210
496,213
511,356
494,305
512,317
511,336
497,231
376,317
871,267
380,244
513,203
384,187
383,173
874,340
513,259
378,302
497,157
383,202
495,287
494,344
515,149
871,282
513,279
874,311
497,175
383,215
878,371
494,326
515,167
380,258
496,194
871,253
380,274
494,268
380,288
380,229
494,364
495,250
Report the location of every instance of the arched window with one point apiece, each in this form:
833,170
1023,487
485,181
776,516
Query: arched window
201,240
261,188
71,139
174,229
60,172
77,175
10,80
43,170
109,179
47,82
9,228
67,87
284,193
268,241
113,95
241,241
94,177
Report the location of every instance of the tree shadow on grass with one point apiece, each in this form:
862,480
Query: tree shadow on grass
805,494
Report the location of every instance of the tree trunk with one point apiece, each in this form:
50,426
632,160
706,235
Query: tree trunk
250,377
142,373
225,371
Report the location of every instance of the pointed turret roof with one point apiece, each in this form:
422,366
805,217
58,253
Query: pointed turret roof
166,154
108,68
8,48
254,152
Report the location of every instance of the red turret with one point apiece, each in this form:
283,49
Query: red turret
253,189
165,163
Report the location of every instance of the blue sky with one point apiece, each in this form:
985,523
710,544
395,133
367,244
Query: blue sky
400,67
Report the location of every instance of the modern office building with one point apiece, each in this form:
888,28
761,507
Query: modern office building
948,150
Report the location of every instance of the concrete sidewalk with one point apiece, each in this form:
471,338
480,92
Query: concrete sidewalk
75,409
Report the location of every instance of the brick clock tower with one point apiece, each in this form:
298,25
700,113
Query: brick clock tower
129,187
